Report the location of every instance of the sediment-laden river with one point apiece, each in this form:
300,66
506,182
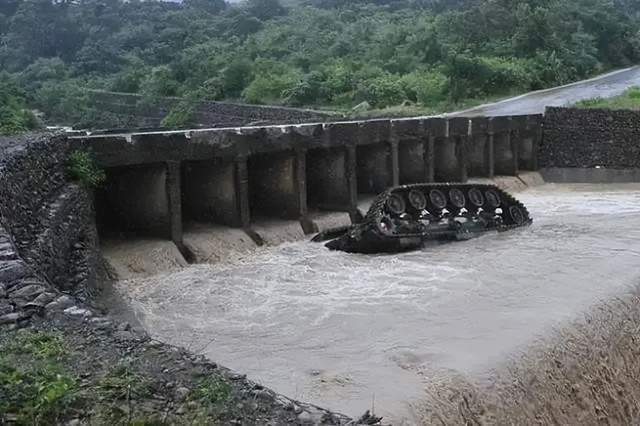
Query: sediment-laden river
350,331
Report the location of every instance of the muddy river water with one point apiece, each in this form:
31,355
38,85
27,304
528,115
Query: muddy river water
350,331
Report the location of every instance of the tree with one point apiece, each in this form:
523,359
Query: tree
265,9
213,7
14,116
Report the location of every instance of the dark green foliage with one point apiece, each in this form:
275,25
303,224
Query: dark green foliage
14,116
180,116
317,53
82,168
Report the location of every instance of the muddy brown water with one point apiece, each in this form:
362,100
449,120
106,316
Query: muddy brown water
350,331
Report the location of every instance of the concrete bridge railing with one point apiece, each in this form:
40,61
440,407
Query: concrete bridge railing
158,180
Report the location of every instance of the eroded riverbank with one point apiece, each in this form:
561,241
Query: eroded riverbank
346,331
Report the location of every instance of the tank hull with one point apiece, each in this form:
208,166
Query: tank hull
403,218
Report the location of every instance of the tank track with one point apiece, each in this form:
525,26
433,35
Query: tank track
403,218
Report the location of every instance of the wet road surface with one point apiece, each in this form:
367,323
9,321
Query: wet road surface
348,331
606,86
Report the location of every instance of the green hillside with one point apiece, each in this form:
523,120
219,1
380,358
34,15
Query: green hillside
426,55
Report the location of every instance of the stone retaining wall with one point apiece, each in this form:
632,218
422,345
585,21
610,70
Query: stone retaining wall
587,138
49,219
129,109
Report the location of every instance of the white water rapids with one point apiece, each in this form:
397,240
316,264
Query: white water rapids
347,331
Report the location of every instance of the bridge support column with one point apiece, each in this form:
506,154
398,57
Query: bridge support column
530,128
451,152
505,147
480,149
376,168
395,162
330,175
241,178
352,182
413,150
174,202
430,159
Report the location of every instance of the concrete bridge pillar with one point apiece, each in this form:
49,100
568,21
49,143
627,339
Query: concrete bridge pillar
451,151
480,148
529,136
505,146
413,144
377,157
241,178
174,202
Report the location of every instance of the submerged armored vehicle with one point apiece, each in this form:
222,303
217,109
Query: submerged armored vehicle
405,217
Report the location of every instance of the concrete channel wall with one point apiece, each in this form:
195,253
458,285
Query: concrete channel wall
157,180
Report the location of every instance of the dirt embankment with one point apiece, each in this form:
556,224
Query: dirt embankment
587,373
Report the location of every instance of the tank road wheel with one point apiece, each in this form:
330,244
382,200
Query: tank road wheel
517,215
493,199
417,200
438,199
475,197
396,204
456,197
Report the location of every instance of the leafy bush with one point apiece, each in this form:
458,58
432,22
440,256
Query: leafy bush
381,91
425,87
14,117
271,87
82,168
181,116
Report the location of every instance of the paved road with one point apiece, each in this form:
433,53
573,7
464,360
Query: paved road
604,86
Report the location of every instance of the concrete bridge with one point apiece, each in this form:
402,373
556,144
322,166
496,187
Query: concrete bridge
231,176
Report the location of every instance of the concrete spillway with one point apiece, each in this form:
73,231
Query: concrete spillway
345,330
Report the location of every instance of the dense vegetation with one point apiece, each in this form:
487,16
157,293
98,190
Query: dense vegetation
319,53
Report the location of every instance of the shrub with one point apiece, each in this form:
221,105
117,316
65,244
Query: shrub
82,168
381,91
270,87
182,115
425,87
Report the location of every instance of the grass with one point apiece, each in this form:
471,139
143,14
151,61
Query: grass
42,383
35,388
81,168
628,100
210,397
115,392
